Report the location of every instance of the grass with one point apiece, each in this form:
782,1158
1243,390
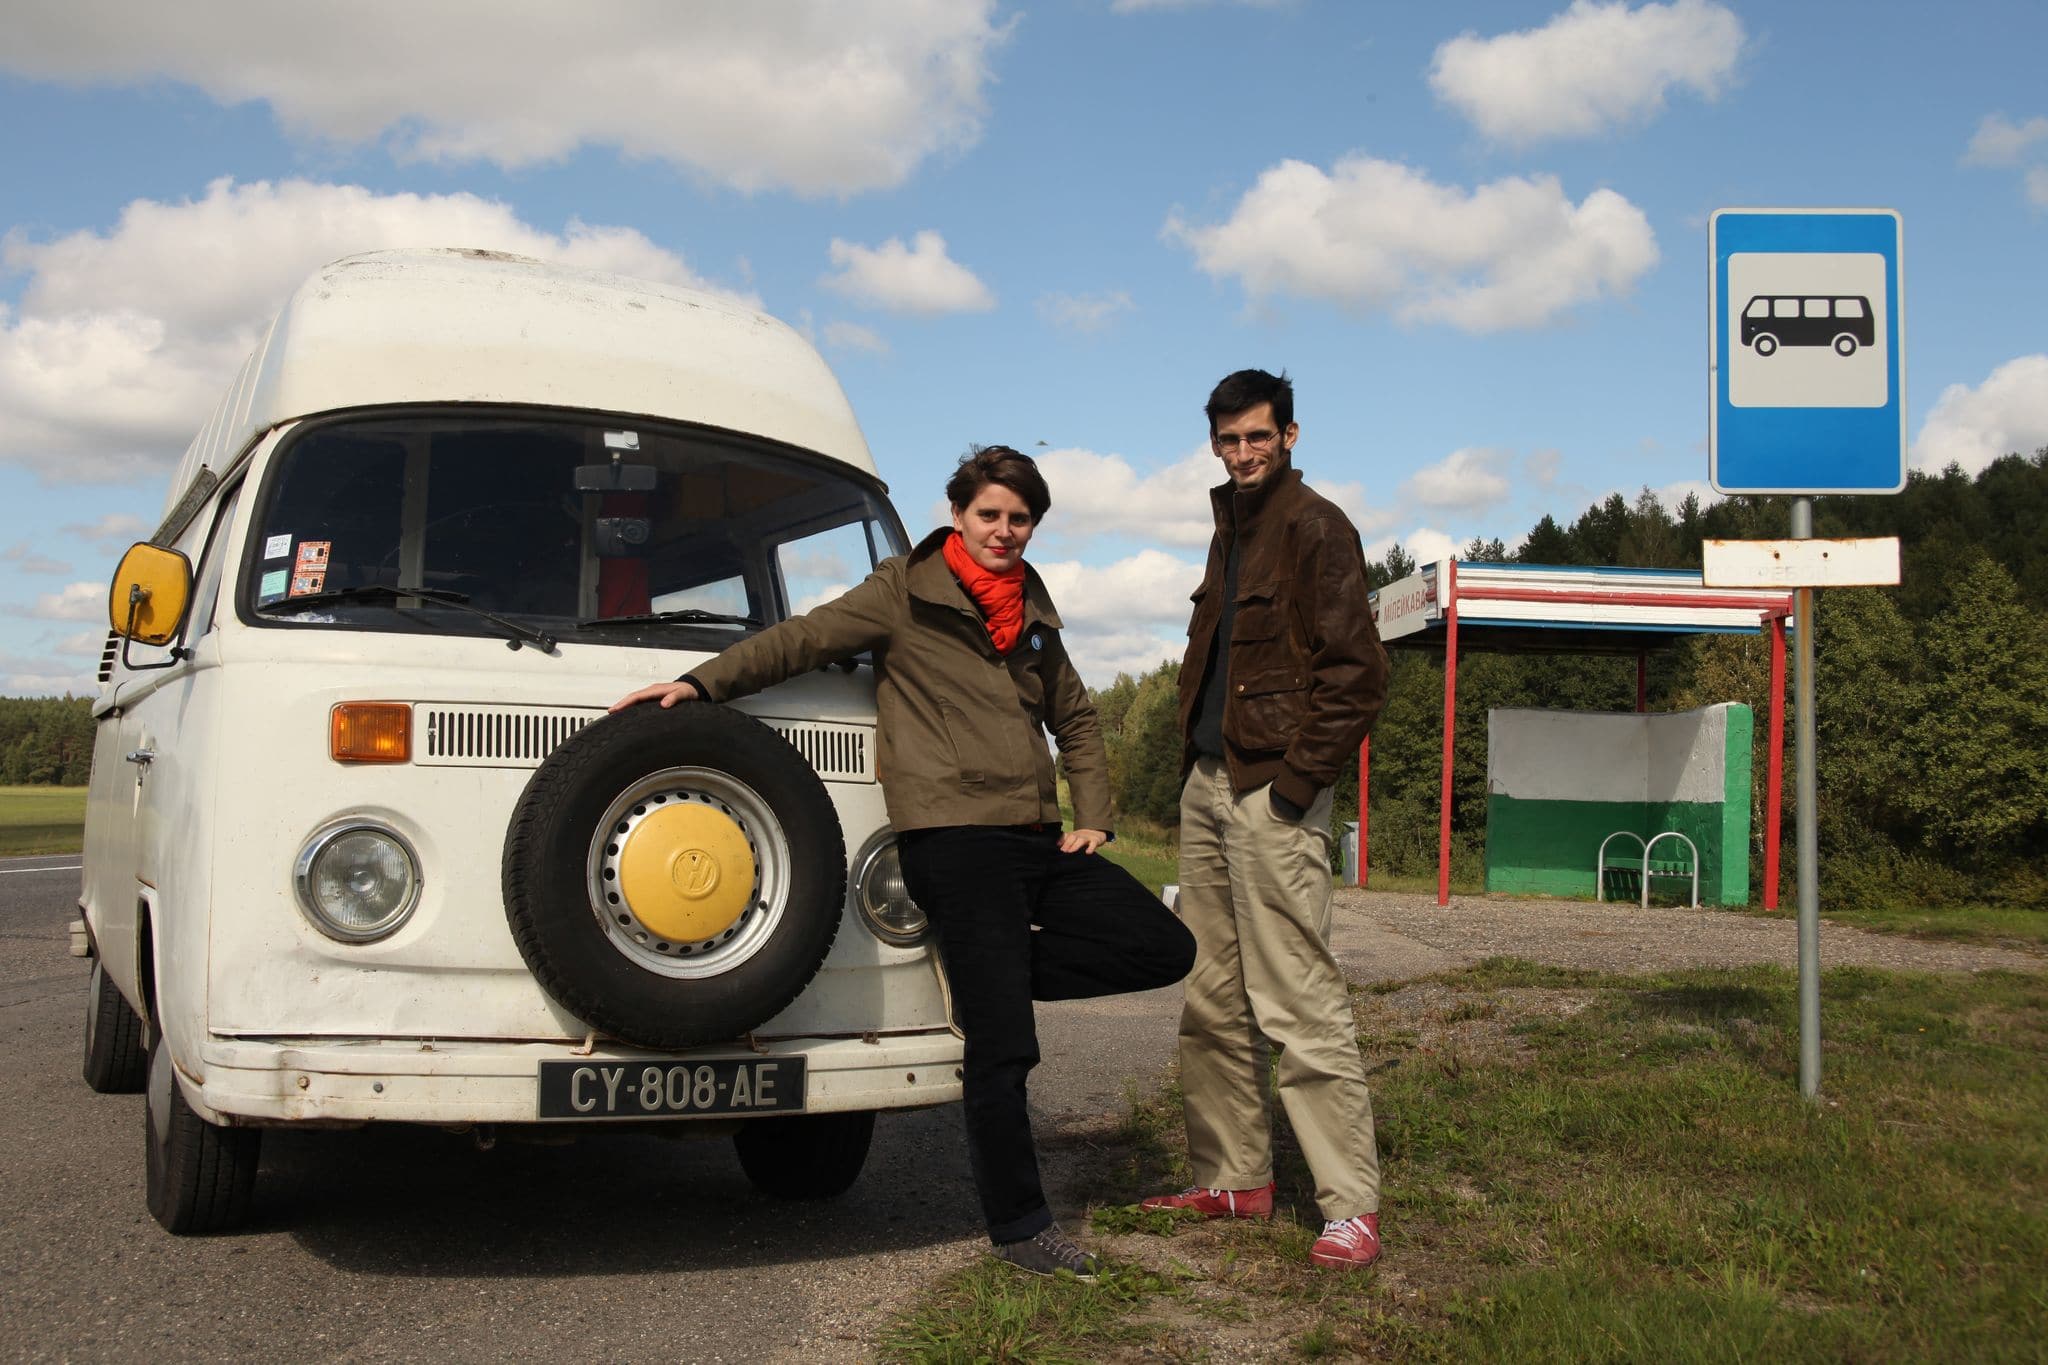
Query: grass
2003,926
1593,1167
41,820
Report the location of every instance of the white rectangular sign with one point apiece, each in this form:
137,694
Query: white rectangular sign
1801,563
1407,606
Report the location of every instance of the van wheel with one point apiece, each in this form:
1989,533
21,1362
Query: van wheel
115,1062
1765,344
674,877
1845,344
199,1177
805,1156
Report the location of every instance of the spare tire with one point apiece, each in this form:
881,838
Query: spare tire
674,877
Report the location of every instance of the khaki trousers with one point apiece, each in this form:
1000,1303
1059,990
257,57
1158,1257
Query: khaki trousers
1255,891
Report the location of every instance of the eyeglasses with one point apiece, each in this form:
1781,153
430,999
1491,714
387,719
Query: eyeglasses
1253,440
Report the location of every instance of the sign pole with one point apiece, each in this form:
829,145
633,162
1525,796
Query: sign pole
1808,836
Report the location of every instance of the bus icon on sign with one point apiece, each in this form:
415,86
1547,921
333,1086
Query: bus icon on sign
1843,321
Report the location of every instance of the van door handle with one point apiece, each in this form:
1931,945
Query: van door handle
143,757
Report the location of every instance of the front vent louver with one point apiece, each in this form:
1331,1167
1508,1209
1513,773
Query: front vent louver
492,736
840,753
447,736
110,652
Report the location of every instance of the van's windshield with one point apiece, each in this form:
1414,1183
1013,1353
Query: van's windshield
591,530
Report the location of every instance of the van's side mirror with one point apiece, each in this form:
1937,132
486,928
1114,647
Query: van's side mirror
616,477
150,592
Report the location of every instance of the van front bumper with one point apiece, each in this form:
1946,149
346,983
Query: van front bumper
346,1081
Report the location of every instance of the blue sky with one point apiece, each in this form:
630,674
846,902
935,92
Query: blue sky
1475,235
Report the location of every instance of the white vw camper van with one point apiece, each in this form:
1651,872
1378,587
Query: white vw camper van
362,844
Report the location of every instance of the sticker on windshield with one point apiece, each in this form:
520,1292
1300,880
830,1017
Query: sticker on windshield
277,547
273,585
306,584
312,556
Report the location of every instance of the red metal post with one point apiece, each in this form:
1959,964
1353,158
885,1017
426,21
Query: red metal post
1775,764
1443,835
1642,680
1364,799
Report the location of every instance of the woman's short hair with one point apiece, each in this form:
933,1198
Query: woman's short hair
1014,470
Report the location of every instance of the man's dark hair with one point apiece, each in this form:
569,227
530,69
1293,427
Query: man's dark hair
1014,470
1247,389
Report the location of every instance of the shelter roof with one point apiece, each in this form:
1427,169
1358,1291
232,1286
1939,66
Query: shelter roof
1563,608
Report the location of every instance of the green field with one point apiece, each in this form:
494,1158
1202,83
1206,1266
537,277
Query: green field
1579,1166
41,820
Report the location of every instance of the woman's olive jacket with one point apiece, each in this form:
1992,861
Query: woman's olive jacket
961,728
1307,675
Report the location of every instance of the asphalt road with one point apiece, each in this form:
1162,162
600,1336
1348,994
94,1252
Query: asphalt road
411,1244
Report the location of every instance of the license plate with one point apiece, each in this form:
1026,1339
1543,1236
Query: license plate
654,1090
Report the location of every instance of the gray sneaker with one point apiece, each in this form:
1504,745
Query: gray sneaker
1048,1254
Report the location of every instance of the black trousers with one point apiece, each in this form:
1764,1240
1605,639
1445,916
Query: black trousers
1017,921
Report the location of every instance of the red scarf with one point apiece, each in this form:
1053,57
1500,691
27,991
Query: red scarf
999,595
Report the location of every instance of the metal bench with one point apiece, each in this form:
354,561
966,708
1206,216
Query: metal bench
1647,866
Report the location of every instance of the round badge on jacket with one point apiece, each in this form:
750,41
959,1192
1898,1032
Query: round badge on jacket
1036,641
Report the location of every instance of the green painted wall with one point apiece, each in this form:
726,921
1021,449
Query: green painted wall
1551,846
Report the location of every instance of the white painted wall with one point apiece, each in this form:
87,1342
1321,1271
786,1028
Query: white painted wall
1607,756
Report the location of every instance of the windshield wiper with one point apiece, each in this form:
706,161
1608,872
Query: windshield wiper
690,615
516,633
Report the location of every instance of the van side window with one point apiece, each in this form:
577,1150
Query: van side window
207,592
819,567
1849,308
1784,308
1814,308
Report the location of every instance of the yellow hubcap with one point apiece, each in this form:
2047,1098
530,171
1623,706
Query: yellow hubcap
686,872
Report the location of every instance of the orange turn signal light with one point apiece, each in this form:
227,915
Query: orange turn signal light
370,732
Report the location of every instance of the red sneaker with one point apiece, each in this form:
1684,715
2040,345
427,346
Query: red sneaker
1218,1203
1353,1243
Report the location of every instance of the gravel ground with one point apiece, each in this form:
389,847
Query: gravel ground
1382,936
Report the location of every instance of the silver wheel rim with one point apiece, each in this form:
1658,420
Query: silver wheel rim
766,905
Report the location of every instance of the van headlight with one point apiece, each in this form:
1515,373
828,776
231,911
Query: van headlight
357,881
885,904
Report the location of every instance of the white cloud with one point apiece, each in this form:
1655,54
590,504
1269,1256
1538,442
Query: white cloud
114,531
1467,480
851,336
72,602
1672,494
1083,312
1593,68
1375,234
123,340
2005,415
1138,6
818,96
1102,495
1424,545
1543,466
24,558
2036,182
1128,616
920,278
1999,141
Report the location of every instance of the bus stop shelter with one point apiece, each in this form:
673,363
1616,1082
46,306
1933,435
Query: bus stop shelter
1569,609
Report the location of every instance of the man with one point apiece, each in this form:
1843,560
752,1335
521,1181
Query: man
1284,676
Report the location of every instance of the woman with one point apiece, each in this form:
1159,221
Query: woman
969,674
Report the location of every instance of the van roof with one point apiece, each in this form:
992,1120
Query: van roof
453,325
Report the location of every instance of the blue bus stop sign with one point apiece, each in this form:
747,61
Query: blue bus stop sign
1807,346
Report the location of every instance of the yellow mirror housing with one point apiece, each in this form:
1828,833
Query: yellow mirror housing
147,601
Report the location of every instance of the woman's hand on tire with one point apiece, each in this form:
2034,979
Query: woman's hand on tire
668,694
1083,840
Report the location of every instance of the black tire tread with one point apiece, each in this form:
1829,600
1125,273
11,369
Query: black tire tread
534,834
208,1180
805,1156
116,1063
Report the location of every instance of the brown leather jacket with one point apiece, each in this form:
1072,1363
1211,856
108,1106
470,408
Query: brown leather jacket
1307,676
961,729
